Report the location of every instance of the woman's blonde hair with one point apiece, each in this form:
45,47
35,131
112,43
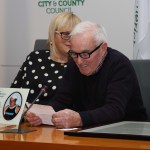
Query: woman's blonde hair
60,21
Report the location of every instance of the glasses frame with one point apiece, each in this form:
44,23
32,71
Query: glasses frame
70,52
64,35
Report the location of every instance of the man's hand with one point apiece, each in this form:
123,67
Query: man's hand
33,119
66,119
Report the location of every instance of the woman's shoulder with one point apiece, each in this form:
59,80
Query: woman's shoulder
39,54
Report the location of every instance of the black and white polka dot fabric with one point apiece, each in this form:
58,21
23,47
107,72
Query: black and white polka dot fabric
39,70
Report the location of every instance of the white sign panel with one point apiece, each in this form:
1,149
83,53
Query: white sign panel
12,102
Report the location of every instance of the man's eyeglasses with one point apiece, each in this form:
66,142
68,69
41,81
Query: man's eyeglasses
64,35
84,55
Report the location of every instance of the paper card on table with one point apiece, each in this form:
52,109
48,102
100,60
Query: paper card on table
12,102
44,112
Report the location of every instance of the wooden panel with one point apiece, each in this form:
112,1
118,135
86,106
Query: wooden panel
47,137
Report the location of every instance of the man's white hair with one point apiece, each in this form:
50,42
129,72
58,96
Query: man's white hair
97,31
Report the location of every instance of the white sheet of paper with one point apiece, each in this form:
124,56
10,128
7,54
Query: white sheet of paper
67,129
43,111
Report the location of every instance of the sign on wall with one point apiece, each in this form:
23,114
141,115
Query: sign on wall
58,6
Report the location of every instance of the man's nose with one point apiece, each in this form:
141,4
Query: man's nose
79,60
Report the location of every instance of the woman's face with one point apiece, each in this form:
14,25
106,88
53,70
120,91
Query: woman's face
62,45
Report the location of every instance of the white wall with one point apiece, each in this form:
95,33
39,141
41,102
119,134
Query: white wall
23,21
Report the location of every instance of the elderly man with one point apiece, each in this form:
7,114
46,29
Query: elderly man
100,85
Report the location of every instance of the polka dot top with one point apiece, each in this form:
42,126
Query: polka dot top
39,70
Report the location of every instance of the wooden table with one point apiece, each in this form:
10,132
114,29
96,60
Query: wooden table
46,137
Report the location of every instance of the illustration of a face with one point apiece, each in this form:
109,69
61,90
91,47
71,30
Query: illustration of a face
12,102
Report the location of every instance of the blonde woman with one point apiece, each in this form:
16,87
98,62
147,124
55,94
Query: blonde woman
47,67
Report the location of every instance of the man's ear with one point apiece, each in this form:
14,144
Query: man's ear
104,46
